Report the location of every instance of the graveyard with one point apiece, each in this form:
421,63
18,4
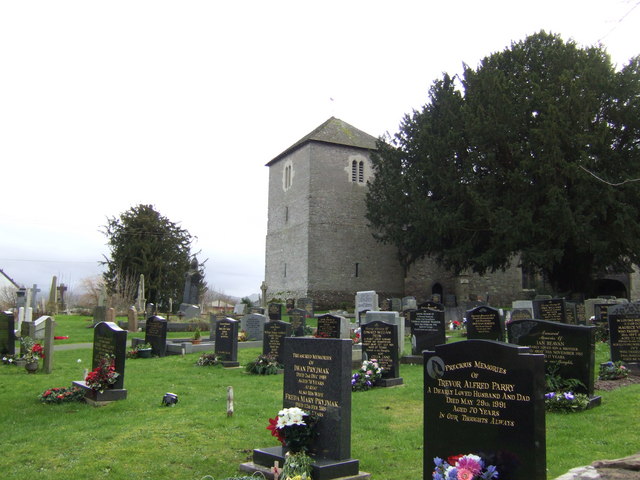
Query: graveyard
197,436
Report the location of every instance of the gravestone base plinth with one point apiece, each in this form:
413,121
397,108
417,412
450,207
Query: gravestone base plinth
322,468
390,382
99,399
229,364
594,401
412,360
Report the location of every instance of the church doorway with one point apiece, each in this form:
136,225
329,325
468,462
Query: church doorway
437,293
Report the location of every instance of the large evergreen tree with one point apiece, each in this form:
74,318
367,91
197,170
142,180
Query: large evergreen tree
142,241
525,157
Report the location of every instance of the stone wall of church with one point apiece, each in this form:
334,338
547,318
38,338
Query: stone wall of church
343,255
286,268
501,287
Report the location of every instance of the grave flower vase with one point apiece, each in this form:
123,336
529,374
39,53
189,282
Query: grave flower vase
144,353
31,366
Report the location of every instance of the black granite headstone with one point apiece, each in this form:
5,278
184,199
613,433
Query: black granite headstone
317,379
571,313
226,345
379,343
485,323
601,311
486,398
427,329
329,326
155,334
275,332
571,348
521,314
275,311
624,332
290,304
298,320
581,316
552,310
109,339
7,334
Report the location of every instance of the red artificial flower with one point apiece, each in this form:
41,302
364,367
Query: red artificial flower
275,431
60,338
453,459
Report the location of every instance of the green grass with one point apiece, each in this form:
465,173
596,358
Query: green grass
138,438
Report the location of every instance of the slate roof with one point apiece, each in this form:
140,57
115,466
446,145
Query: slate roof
333,131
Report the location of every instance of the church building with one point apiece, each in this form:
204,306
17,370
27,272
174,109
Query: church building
319,244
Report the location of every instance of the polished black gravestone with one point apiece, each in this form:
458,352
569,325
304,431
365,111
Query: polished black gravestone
275,332
569,348
7,334
275,311
108,339
317,379
427,328
551,310
330,326
485,323
379,343
226,344
298,319
601,311
521,314
155,334
486,398
624,333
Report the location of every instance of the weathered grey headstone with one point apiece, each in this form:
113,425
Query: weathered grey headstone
396,304
486,398
253,325
49,337
239,309
132,319
366,301
99,314
111,315
409,303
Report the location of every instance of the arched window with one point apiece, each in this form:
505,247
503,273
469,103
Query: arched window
361,172
354,171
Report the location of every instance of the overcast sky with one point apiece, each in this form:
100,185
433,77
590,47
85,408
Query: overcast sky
180,104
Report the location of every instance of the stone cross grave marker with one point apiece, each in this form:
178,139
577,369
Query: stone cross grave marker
485,323
226,345
155,334
486,398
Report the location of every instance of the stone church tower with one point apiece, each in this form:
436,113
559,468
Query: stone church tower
318,241
319,244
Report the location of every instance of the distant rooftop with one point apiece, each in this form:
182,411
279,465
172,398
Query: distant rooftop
333,131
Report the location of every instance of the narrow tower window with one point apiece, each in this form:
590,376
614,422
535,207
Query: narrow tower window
357,269
361,172
354,171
